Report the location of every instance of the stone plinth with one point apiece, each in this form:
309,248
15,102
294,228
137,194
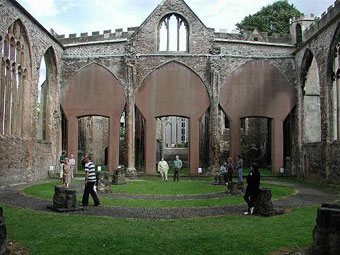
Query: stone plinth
263,204
104,185
119,176
64,200
219,180
3,234
326,233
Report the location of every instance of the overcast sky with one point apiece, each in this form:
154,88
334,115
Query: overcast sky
76,16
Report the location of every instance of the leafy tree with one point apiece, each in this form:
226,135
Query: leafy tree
272,18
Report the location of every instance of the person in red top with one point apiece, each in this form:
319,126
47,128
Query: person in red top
253,187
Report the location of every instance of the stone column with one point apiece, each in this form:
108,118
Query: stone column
130,61
113,153
130,134
150,146
72,139
277,145
194,143
235,138
214,131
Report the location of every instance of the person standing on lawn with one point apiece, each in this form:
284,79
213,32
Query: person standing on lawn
253,187
90,181
163,168
67,173
72,165
239,168
177,166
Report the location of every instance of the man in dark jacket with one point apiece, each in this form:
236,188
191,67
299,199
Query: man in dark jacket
253,180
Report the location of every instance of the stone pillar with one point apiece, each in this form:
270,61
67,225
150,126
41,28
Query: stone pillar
113,153
72,139
131,73
130,134
150,146
214,131
326,233
277,145
194,143
235,138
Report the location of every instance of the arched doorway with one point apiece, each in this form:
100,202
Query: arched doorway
94,91
258,89
172,90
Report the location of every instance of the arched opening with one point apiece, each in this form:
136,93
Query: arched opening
93,139
173,33
171,90
14,70
94,91
298,34
46,86
311,99
258,89
173,140
256,141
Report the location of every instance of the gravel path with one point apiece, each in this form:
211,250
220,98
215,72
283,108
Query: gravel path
306,196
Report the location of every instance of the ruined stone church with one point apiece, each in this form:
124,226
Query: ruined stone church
216,83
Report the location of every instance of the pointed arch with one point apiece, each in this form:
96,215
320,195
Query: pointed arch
16,53
173,33
47,87
94,90
310,83
172,90
258,89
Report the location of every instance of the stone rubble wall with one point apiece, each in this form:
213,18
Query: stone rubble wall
23,158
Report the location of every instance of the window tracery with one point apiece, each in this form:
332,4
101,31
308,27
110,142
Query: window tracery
12,79
173,33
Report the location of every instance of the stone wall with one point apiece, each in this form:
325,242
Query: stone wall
24,158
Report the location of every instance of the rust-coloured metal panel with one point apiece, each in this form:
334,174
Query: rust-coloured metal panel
258,89
176,90
94,91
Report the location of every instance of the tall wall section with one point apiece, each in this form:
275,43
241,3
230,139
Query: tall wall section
319,159
22,157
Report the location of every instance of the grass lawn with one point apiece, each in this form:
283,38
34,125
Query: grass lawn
46,191
55,234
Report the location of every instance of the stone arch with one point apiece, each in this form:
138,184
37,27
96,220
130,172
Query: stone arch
172,89
94,90
47,90
164,22
310,82
179,63
258,89
16,82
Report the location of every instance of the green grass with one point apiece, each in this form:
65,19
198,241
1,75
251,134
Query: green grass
46,191
54,234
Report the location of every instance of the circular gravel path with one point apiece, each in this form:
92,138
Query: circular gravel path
305,196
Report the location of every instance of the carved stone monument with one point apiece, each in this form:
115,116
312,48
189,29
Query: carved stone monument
119,176
326,233
104,185
64,200
263,204
3,234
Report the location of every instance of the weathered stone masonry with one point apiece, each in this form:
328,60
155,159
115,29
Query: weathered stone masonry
214,59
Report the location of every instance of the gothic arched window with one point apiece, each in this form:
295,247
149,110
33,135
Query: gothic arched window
12,79
173,33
